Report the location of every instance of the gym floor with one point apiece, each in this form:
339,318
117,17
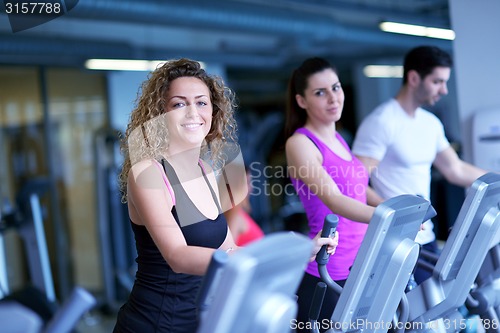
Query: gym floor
95,322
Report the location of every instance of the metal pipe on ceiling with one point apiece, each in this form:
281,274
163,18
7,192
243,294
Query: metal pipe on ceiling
233,16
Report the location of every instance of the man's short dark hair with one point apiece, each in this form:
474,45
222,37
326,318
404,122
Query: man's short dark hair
424,59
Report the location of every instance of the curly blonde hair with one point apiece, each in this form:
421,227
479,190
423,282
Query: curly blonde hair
146,136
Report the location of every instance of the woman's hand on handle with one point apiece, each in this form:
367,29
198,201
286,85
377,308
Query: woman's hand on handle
319,241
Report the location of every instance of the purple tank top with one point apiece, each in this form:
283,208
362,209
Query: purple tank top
351,178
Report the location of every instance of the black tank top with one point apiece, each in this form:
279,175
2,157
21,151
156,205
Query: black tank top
196,227
161,299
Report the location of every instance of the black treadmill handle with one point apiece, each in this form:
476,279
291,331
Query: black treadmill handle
317,300
329,228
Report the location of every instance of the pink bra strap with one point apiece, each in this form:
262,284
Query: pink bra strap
200,162
164,176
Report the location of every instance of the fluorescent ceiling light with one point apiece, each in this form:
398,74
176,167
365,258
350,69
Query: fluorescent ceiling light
383,71
123,65
417,30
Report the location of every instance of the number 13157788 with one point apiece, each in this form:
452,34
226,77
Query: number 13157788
34,8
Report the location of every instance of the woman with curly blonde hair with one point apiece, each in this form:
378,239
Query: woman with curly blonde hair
173,146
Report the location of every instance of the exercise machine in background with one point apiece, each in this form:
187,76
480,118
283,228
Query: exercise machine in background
34,308
484,300
26,218
435,303
117,246
374,290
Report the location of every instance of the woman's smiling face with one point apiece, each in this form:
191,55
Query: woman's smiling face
189,112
